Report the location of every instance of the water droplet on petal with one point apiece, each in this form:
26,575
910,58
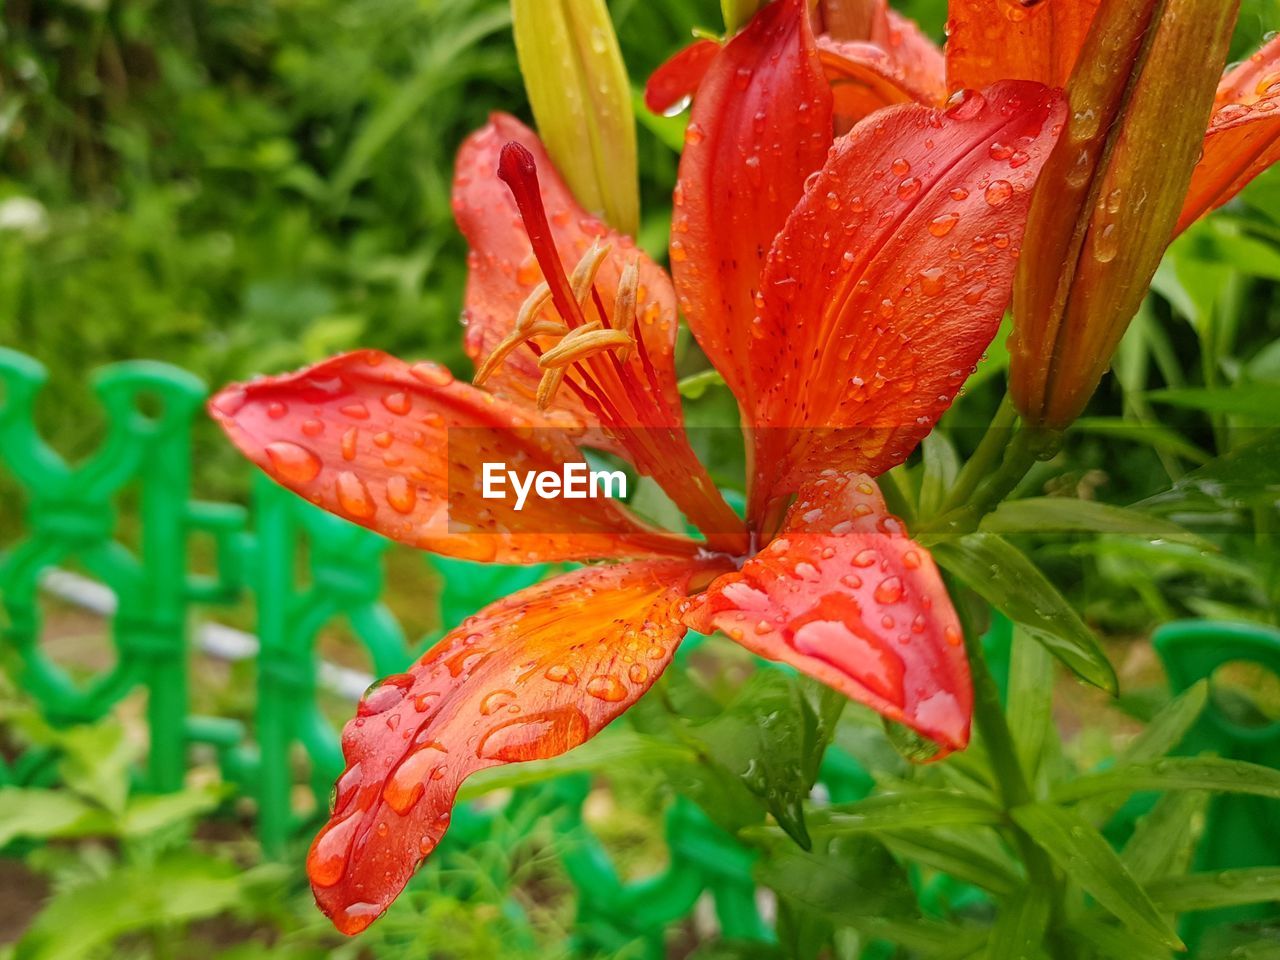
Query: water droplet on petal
292,462
889,590
999,193
535,736
401,494
605,687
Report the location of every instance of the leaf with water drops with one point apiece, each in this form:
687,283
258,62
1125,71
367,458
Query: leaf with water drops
503,272
769,738
991,40
1244,133
761,123
1020,925
400,448
843,595
528,678
1084,855
890,279
1211,891
1214,774
1003,576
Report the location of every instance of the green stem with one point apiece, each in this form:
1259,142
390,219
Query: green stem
1029,445
1012,785
985,457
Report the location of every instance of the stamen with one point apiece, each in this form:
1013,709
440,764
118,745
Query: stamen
582,343
532,306
624,306
538,328
584,274
548,386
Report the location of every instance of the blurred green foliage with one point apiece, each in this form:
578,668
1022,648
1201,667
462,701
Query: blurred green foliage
242,187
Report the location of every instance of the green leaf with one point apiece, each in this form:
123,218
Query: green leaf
1160,736
1004,577
973,855
1209,891
42,814
95,763
176,889
1163,841
1064,515
928,937
770,737
610,751
694,386
1114,943
1168,727
146,815
668,130
849,879
1154,435
1030,700
1254,401
1249,474
941,466
916,808
1175,773
1084,855
1020,926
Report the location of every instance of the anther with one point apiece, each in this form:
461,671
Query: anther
532,306
624,306
582,343
584,274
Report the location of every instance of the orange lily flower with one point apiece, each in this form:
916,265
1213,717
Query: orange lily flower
874,57
844,289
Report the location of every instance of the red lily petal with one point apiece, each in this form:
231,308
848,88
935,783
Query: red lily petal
1244,134
992,40
865,77
504,272
851,19
760,125
890,279
678,79
527,678
844,596
915,53
400,449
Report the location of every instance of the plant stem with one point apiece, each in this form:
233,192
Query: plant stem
1029,445
985,456
1012,785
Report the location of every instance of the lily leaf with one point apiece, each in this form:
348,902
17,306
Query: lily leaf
1084,855
1020,927
1209,891
1064,515
1004,577
915,809
1176,773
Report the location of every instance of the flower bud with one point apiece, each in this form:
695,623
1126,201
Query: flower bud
738,12
581,99
1108,200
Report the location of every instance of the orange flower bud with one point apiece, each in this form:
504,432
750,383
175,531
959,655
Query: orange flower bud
1108,201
